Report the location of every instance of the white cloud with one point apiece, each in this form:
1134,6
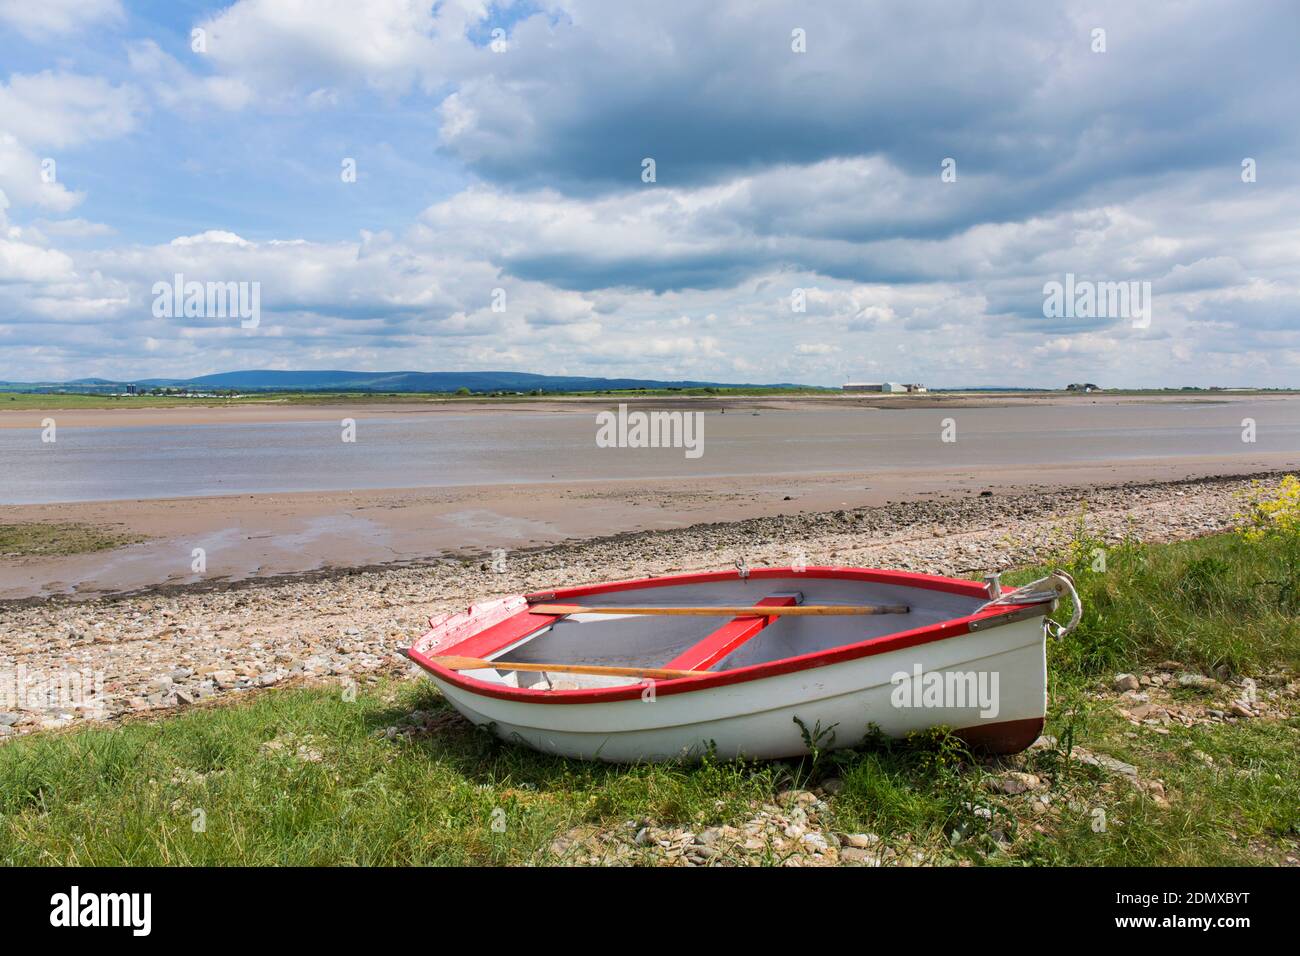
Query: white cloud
42,231
20,262
49,111
55,109
23,178
211,237
42,19
315,48
176,87
972,313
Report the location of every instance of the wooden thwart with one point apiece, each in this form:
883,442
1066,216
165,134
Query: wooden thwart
717,645
454,663
728,611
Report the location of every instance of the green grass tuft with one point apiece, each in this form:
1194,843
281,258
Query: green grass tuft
41,538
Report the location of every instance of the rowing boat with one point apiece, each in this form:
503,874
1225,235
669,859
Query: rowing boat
762,663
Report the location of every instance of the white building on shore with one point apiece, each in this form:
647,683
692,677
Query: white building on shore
888,388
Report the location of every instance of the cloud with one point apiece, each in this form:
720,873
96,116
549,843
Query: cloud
56,109
319,48
776,170
176,87
413,301
26,177
23,262
45,230
41,19
49,111
580,99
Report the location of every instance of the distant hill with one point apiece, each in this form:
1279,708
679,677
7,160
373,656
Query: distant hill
344,381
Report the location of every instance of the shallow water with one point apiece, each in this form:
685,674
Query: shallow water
444,449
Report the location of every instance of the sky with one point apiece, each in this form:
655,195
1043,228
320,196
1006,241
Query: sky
856,191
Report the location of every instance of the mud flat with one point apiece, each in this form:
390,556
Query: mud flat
259,491
268,535
269,410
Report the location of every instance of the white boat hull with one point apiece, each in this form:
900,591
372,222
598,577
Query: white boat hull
762,718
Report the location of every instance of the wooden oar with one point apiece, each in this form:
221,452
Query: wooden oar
793,610
454,663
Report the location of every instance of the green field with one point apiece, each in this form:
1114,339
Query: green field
309,776
22,401
18,400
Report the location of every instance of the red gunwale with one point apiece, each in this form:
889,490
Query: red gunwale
906,578
514,627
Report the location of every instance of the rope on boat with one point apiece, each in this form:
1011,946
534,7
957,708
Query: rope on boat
1051,588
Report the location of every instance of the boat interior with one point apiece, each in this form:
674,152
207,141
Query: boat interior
709,643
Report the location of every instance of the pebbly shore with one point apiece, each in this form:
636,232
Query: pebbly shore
169,648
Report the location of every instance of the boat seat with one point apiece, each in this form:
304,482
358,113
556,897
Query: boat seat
717,645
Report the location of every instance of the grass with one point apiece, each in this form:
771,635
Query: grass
300,776
128,796
1204,602
43,539
54,401
13,400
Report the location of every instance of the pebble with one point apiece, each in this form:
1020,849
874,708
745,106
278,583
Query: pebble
860,840
816,841
1127,682
1083,755
1013,782
772,834
857,856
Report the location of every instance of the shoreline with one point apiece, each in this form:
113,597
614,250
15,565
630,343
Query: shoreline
753,526
162,648
271,410
266,537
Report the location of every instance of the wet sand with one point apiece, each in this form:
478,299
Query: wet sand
259,536
269,412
